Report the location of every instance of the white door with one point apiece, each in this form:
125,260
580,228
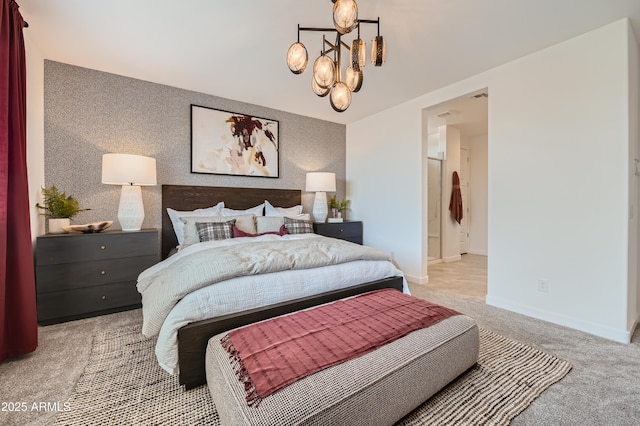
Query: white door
464,190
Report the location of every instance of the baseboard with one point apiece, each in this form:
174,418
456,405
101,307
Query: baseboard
634,326
452,258
478,252
622,336
417,280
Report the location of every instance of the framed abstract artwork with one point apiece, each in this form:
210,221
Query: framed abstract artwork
228,143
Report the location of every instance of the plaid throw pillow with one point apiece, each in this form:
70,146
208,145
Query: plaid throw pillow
298,226
209,231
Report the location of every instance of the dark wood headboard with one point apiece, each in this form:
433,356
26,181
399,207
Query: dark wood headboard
183,197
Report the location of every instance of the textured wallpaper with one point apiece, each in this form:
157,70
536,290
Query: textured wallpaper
88,113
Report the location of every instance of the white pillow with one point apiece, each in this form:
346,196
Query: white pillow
273,223
257,210
269,210
244,222
176,215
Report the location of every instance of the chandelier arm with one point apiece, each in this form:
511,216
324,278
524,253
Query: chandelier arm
332,47
329,29
317,29
339,60
340,91
370,21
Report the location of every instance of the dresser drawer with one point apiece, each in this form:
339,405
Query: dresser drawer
67,248
83,275
349,231
81,301
65,276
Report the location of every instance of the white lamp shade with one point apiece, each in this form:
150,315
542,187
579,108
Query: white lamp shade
321,182
128,169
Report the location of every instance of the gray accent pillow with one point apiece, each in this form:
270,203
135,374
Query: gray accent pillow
298,226
245,223
210,231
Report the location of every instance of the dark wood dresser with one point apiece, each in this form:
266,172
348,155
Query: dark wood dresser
84,275
348,230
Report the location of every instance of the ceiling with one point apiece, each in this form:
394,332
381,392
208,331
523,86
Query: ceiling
237,49
469,114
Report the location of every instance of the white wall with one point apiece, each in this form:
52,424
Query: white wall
633,301
557,178
384,184
558,200
35,131
477,146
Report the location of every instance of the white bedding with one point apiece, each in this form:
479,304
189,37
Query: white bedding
252,291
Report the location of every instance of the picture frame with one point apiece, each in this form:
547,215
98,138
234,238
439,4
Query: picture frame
230,143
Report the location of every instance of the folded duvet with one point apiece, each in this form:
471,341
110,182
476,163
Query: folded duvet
165,284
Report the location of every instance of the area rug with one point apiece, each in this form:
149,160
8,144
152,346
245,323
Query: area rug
122,384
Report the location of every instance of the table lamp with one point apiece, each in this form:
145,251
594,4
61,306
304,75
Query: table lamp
130,171
320,183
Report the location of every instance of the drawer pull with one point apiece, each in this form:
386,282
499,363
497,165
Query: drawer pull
103,247
104,297
103,272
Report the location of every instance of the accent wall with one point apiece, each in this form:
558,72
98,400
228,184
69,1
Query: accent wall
88,113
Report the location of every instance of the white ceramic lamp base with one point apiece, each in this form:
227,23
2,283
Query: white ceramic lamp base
320,209
131,209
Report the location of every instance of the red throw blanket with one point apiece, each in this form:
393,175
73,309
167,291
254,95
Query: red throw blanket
270,355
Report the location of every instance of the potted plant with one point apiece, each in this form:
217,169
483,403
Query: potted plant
59,208
338,207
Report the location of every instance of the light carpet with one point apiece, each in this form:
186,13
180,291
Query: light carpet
122,384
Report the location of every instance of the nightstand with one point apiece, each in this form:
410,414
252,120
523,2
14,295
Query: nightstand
348,230
84,275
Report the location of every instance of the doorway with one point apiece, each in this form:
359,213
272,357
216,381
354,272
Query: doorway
457,140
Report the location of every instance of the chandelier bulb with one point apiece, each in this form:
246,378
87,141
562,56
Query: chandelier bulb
297,58
324,71
340,97
345,15
320,91
378,51
357,51
353,79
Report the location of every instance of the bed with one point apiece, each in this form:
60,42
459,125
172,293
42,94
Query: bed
192,337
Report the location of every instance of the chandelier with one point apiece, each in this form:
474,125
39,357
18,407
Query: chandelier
327,69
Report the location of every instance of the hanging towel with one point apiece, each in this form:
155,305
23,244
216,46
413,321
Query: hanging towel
455,205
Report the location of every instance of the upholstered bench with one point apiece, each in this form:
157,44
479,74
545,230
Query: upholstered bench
377,388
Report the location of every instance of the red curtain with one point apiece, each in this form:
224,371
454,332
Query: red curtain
18,317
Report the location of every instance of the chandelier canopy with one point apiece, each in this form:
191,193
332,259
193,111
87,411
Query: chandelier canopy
327,69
